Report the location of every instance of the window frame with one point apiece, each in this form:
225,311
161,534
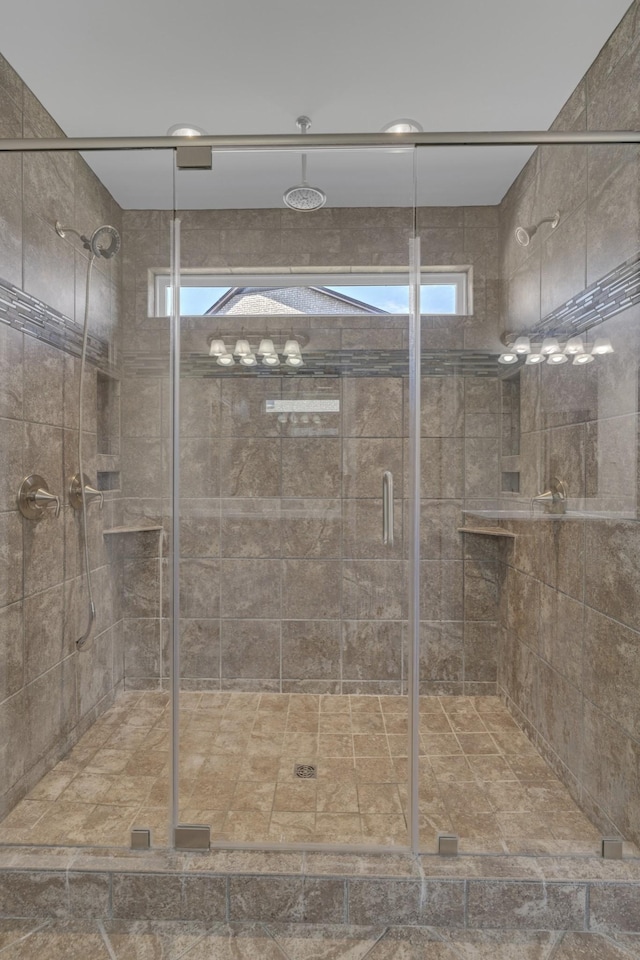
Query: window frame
460,277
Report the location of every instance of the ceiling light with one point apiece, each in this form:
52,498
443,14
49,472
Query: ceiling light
582,358
186,130
549,345
242,348
535,358
557,358
403,125
217,348
508,358
226,360
602,345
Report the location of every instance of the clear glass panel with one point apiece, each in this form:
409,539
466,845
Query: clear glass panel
83,725
526,669
293,708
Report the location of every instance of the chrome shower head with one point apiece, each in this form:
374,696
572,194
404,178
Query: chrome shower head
302,196
524,235
103,242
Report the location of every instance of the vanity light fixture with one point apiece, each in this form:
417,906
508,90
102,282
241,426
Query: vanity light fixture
294,360
508,358
582,358
557,358
574,345
550,346
266,347
601,346
242,348
271,360
248,360
185,130
522,345
291,349
217,348
225,360
535,358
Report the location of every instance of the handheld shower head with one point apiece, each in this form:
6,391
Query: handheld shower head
302,196
103,242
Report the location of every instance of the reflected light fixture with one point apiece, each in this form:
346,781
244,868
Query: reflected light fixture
291,348
225,360
271,360
601,346
557,358
186,130
266,347
574,345
549,346
242,348
522,345
508,358
248,359
535,358
403,125
582,358
294,360
524,235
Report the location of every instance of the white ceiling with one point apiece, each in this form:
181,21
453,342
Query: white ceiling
134,67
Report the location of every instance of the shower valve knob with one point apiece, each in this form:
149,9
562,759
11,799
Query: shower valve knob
34,498
90,493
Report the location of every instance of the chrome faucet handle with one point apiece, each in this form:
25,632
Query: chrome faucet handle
90,493
34,498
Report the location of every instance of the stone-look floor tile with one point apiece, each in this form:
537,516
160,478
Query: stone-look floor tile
590,946
69,940
338,828
313,942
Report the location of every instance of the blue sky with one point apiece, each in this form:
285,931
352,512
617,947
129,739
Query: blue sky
436,298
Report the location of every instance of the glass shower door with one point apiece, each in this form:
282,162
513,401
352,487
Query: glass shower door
293,451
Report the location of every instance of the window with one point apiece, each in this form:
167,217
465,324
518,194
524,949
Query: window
443,292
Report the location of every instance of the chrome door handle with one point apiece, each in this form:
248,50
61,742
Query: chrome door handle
387,508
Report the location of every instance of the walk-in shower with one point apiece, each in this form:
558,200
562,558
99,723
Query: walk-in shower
316,551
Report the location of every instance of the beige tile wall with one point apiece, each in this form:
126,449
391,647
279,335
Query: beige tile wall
286,584
568,662
49,693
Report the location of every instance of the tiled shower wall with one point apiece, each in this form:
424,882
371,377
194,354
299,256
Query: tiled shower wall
286,584
569,664
49,693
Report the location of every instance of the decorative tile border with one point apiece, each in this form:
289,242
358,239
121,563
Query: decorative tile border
616,291
31,316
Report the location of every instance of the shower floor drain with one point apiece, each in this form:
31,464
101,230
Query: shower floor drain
305,771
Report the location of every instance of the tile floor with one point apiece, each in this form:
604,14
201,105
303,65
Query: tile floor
479,775
122,940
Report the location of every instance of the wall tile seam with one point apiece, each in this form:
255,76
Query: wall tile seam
551,667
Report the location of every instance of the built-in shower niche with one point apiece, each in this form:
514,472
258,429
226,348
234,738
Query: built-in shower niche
108,431
510,434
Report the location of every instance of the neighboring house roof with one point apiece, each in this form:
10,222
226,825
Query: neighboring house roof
252,301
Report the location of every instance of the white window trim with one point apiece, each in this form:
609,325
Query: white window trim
459,276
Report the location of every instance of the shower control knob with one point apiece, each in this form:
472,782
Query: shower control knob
90,493
34,498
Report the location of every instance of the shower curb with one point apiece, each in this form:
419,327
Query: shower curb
474,892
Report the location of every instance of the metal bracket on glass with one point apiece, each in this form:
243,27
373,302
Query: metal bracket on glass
34,498
140,839
196,157
387,508
447,845
190,836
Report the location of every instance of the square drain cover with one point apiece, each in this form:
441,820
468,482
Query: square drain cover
305,771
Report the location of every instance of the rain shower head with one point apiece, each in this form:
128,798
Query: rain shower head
103,242
303,196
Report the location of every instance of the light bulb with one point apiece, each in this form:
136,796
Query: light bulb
574,345
550,345
557,358
266,346
508,358
582,358
291,348
601,346
522,345
242,348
